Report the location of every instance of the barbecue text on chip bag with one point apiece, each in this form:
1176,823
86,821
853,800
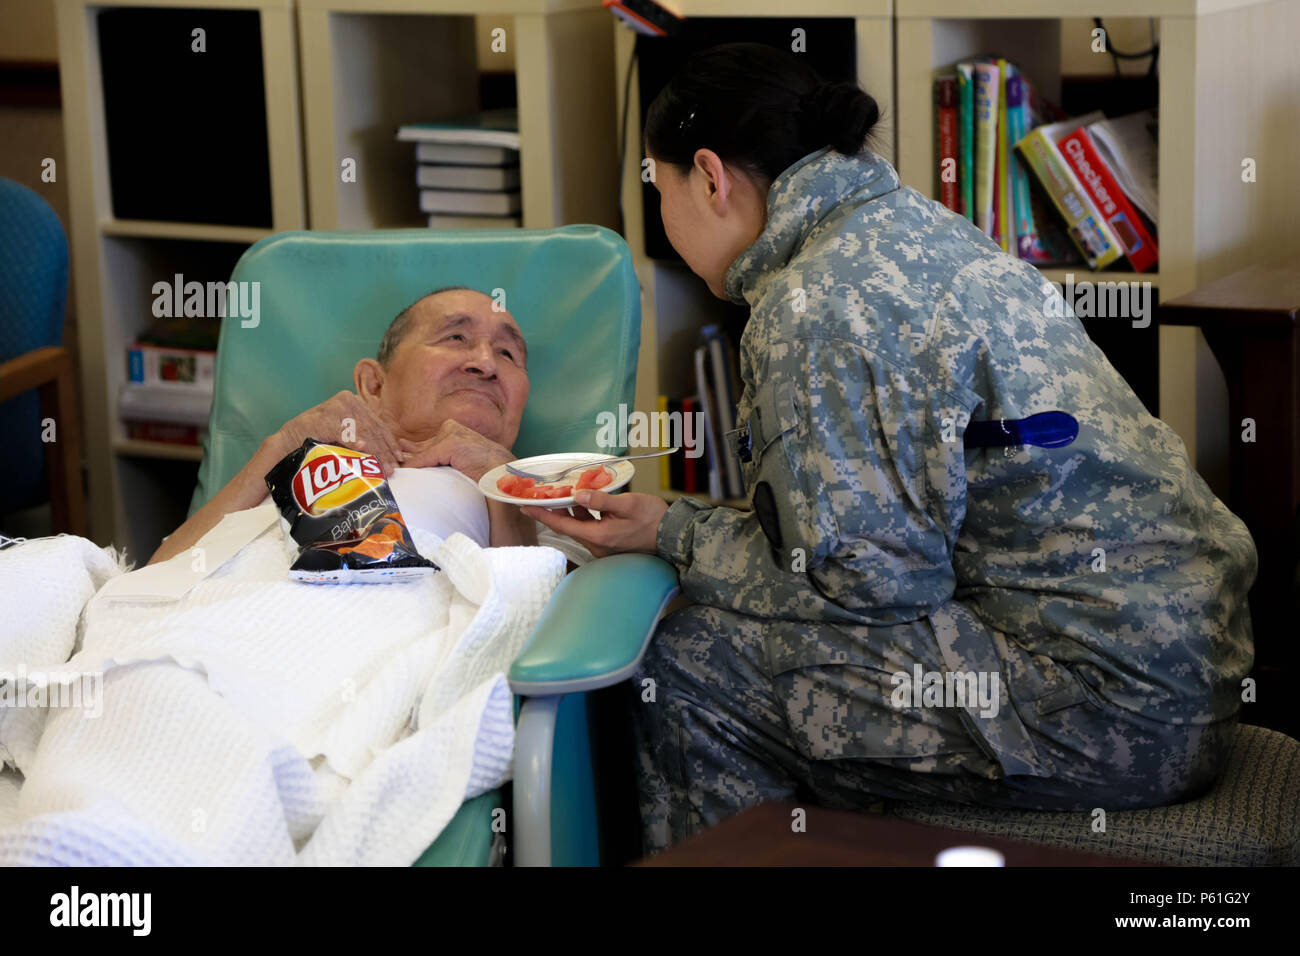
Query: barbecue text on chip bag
342,515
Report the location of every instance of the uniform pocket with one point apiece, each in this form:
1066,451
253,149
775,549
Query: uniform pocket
771,416
1085,687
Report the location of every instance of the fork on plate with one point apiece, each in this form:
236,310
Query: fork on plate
556,476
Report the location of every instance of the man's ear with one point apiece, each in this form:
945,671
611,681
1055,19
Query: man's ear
368,380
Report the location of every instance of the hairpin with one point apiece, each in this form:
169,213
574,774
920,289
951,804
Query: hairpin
686,122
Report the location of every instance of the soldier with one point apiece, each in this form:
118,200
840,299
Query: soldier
901,616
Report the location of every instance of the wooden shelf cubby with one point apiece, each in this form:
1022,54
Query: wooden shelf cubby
137,489
1225,71
370,65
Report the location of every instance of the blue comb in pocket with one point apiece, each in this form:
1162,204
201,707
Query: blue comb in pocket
1046,430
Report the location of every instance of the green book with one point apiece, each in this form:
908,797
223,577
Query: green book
966,138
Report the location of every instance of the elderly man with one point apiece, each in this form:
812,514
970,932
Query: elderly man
353,733
448,387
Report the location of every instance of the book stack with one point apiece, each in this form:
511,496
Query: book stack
467,169
1101,177
717,471
167,396
1051,190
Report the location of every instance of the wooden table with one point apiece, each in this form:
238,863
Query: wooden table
1250,322
762,836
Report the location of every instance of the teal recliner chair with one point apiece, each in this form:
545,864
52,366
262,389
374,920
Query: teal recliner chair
325,301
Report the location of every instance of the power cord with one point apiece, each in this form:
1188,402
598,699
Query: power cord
622,140
1152,51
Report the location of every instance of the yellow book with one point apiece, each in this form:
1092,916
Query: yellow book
665,477
986,142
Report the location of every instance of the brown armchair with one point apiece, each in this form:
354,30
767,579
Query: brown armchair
50,370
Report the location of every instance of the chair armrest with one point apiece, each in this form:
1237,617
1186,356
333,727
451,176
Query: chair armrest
596,626
32,370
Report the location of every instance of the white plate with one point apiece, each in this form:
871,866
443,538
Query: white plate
547,464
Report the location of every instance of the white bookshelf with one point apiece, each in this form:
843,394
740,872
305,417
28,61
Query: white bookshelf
138,488
1228,78
675,302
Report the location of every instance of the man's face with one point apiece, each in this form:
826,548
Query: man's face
458,360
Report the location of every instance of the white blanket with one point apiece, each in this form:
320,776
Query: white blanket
259,720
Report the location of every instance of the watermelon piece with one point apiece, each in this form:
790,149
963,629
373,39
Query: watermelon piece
596,477
515,486
552,491
528,488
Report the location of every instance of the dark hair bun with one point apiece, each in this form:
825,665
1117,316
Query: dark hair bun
839,115
760,107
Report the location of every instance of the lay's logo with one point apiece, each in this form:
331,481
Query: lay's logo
330,477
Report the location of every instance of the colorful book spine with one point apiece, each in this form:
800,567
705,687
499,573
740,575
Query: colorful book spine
1081,153
986,121
1004,231
1052,236
966,138
676,463
725,406
710,422
1084,222
164,432
1028,245
945,94
171,367
665,476
690,480
1056,244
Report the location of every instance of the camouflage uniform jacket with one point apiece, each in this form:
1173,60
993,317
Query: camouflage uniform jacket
881,324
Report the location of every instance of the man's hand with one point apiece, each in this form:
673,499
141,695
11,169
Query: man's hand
463,448
344,420
627,522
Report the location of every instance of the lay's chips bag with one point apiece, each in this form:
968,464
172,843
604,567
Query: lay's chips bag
341,513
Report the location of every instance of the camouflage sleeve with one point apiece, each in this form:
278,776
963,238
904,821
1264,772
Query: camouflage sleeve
839,529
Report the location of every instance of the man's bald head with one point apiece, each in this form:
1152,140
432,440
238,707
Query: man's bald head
400,325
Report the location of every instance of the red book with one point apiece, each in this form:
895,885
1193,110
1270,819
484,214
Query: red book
164,432
1096,177
690,481
946,100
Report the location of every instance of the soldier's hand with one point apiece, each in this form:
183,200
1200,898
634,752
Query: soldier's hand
627,522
